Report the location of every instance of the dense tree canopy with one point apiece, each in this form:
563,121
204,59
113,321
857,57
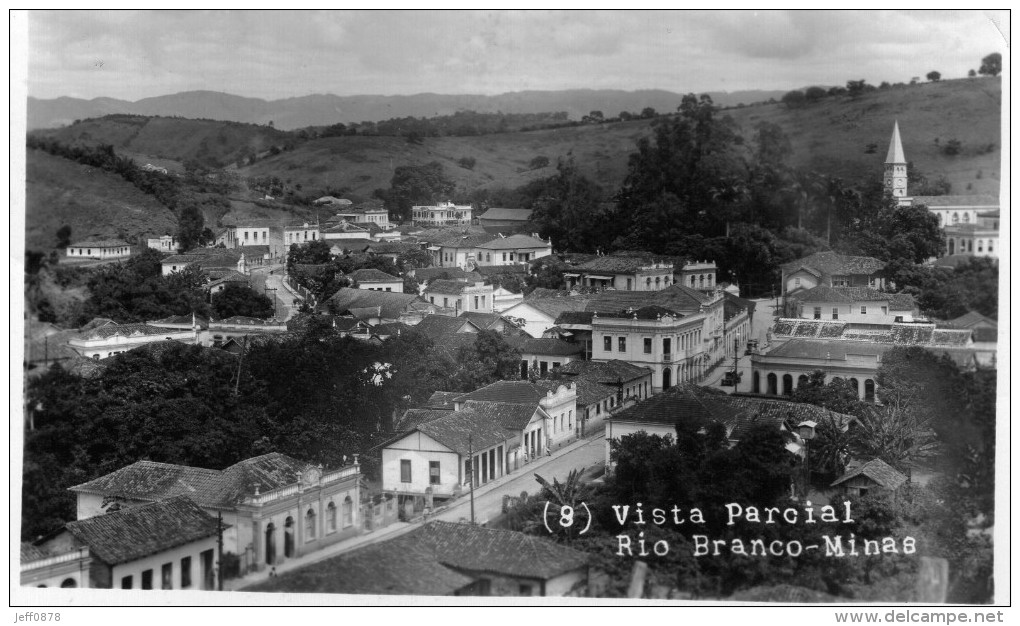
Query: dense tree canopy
417,184
241,300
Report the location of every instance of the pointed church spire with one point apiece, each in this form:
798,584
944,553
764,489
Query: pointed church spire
895,146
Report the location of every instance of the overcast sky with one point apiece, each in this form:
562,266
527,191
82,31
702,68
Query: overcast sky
133,55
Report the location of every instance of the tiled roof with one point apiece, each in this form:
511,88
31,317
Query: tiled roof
371,275
981,200
392,247
502,552
617,264
971,319
580,318
241,320
100,243
543,292
522,215
148,480
137,532
901,302
509,416
496,270
30,552
391,328
471,429
442,400
125,330
514,242
608,372
878,471
514,391
821,293
393,304
832,263
465,241
250,251
548,347
391,567
553,307
445,273
437,326
985,335
482,320
413,418
447,286
591,392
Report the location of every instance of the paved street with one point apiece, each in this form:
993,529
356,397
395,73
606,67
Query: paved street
763,318
269,281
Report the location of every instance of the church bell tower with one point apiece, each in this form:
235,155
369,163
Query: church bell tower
896,166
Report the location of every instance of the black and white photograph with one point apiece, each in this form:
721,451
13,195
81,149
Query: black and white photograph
510,307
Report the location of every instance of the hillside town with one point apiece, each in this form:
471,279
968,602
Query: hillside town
719,376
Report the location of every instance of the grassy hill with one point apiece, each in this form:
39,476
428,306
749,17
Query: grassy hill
840,136
168,141
832,136
94,203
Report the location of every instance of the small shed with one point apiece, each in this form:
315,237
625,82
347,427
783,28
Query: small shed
876,474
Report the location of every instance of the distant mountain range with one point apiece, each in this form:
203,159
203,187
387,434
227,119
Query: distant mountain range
326,109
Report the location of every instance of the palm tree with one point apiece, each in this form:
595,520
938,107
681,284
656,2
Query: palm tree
899,434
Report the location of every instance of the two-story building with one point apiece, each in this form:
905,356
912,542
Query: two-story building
300,233
512,250
699,275
974,238
621,272
442,214
557,400
456,296
857,305
829,269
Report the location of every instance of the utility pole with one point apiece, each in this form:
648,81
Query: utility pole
471,475
736,364
240,360
219,551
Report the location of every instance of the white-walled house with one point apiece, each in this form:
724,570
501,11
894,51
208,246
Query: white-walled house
277,507
300,234
857,305
169,544
377,280
460,296
100,249
433,460
512,250
551,426
830,269
165,243
442,214
112,338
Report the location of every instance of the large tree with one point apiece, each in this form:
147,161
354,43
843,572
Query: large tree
991,65
569,209
241,300
417,184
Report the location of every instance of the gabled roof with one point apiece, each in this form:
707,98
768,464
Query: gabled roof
970,319
832,263
494,213
901,302
437,326
140,531
469,430
445,286
392,247
821,293
514,242
390,328
877,470
544,292
413,418
100,243
440,558
124,330
553,307
393,304
371,275
509,416
607,372
616,264
482,320
148,480
514,391
465,241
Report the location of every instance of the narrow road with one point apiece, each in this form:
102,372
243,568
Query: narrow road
269,281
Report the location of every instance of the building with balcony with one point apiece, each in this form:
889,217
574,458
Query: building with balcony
442,214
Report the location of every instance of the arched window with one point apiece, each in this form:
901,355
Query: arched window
288,537
802,380
331,517
69,583
869,390
787,385
981,245
701,280
772,382
966,218
310,525
348,512
666,376
952,246
856,386
270,543
692,280
658,282
648,283
956,217
756,383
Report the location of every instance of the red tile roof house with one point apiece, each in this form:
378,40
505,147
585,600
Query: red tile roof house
278,507
444,558
830,269
169,544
